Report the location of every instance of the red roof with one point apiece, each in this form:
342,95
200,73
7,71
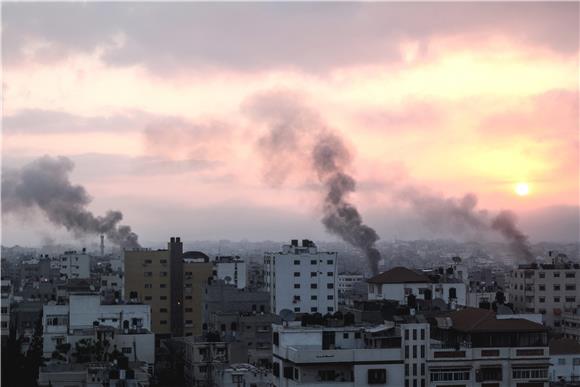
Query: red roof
484,320
399,275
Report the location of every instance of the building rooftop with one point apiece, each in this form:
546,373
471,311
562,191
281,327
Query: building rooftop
484,320
399,275
195,255
564,346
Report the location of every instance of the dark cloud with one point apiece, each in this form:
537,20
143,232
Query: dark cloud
312,36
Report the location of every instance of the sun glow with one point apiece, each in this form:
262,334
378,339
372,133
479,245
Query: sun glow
522,189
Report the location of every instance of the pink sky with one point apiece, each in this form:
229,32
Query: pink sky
151,102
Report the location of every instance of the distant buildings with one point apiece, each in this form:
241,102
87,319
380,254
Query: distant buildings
346,283
232,270
565,361
75,265
6,300
302,279
551,289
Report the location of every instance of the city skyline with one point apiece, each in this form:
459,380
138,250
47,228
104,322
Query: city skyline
162,110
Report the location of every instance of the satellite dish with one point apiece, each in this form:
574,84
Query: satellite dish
287,315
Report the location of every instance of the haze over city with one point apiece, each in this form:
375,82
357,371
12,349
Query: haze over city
199,119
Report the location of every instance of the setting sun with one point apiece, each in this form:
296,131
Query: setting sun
522,189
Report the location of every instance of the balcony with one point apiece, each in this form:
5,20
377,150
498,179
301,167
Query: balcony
305,354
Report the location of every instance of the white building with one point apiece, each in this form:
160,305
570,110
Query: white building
346,283
75,265
232,270
399,283
337,356
571,325
126,326
6,291
564,360
302,279
236,375
551,289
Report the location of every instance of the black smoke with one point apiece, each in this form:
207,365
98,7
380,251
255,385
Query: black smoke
461,215
298,140
44,184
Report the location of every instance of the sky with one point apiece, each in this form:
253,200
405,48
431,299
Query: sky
156,105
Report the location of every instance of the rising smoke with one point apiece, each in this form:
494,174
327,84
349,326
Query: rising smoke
460,215
44,184
297,139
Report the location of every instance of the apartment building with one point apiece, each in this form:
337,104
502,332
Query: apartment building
571,324
75,265
346,283
172,283
222,297
6,300
399,283
315,355
85,317
551,289
302,279
474,347
565,361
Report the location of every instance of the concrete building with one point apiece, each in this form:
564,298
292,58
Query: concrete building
25,317
222,297
238,375
256,276
75,265
302,279
315,355
551,289
399,283
471,347
172,283
252,330
565,361
571,325
346,283
232,270
5,301
126,326
94,374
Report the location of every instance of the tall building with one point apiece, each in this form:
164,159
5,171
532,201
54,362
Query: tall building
302,279
75,265
172,282
550,289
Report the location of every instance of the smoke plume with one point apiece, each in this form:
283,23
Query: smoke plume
44,184
460,215
298,139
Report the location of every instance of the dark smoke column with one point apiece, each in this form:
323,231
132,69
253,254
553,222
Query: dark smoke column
44,184
298,141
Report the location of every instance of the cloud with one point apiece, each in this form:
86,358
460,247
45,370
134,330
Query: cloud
312,37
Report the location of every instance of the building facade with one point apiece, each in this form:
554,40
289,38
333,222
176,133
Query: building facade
302,279
232,270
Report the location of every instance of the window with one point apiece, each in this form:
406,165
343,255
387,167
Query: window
162,286
422,352
330,262
556,274
377,376
542,299
313,261
163,274
296,298
296,274
422,369
297,262
406,334
570,275
406,351
314,309
414,334
330,309
327,375
422,334
148,261
556,299
313,297
188,273
313,274
542,275
557,288
357,335
189,309
330,297
163,310
148,286
276,369
163,322
542,288
163,297
562,361
570,299
406,370
330,274
148,274
148,298
163,261
297,309
570,287
414,369
530,373
296,286
446,375
330,286
313,286
345,335
127,350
